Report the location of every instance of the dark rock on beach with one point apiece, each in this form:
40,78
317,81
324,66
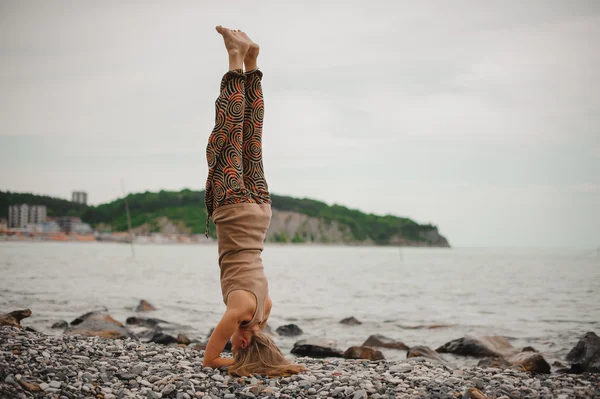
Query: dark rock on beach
494,362
316,347
98,324
146,322
585,356
183,339
151,330
13,319
289,330
160,337
524,361
491,346
363,352
60,325
384,342
499,353
426,352
87,315
350,321
530,361
144,306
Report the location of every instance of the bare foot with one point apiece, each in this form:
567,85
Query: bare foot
253,50
236,46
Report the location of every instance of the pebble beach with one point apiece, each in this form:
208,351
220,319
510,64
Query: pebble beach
35,365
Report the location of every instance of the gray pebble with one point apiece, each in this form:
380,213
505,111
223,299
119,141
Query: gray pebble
360,394
138,368
168,389
54,384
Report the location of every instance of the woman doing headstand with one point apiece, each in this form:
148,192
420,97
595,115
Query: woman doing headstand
238,201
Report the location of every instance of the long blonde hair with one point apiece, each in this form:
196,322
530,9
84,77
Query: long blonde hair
262,356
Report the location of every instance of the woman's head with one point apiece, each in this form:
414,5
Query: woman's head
255,352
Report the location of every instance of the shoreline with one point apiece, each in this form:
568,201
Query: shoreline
209,241
37,365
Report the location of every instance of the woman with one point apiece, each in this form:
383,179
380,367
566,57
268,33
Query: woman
237,199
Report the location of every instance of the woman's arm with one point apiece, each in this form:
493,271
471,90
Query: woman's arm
227,326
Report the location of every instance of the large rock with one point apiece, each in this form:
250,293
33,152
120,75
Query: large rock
316,347
350,321
491,346
60,325
289,330
530,361
160,337
384,342
426,352
152,330
363,352
98,324
146,322
585,356
144,306
144,329
14,318
87,315
494,362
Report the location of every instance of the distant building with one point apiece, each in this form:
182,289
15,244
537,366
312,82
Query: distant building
3,224
79,197
37,214
23,214
67,223
17,215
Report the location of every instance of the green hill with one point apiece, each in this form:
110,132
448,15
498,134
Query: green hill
187,206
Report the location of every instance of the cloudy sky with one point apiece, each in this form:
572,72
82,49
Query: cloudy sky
482,117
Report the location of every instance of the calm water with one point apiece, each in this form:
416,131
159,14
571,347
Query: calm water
543,298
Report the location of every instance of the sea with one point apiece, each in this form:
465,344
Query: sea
545,298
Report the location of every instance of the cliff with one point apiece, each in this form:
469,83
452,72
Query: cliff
294,220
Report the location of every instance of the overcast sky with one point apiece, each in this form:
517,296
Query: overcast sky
481,117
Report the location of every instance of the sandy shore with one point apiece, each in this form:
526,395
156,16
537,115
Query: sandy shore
38,365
